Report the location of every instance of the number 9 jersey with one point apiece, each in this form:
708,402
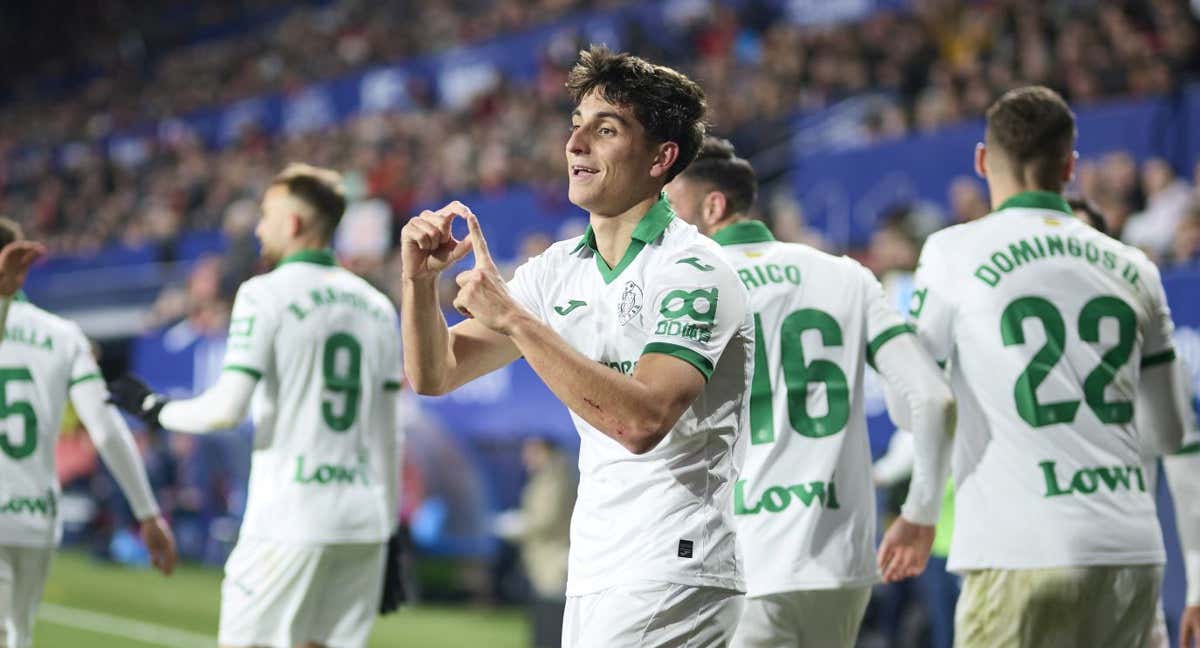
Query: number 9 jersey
1046,325
324,346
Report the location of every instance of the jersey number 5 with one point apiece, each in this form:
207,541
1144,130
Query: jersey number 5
17,408
797,376
341,367
1040,414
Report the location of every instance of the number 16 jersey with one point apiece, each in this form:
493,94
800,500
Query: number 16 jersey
804,504
324,346
1047,324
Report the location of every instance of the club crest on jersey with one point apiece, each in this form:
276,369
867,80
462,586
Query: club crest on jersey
631,303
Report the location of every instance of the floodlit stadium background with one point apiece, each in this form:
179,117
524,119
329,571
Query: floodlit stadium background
136,138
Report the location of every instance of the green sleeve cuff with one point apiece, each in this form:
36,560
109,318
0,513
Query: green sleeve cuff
702,364
1189,449
84,378
885,337
249,371
1158,358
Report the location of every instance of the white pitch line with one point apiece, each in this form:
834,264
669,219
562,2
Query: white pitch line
117,626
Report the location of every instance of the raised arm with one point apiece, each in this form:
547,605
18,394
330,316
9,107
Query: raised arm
637,410
438,359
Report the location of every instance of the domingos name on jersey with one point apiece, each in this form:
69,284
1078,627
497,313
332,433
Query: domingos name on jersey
1007,259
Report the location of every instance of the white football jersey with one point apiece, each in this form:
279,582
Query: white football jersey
805,503
665,515
41,358
1047,324
325,348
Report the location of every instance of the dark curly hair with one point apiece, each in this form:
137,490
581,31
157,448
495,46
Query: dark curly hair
670,106
718,166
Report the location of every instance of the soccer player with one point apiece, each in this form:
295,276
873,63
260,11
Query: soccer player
805,501
318,349
1052,331
640,328
44,361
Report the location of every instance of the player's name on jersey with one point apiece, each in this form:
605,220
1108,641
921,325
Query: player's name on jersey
778,498
1029,250
47,505
325,474
1086,481
329,296
757,276
31,337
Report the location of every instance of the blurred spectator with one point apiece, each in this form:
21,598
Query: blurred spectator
1167,197
1185,244
542,528
968,200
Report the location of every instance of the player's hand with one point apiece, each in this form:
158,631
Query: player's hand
1189,627
132,395
482,294
160,542
15,259
427,246
904,550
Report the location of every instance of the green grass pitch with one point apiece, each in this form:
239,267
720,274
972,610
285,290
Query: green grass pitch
109,606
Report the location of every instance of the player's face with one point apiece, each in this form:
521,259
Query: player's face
685,197
272,229
610,162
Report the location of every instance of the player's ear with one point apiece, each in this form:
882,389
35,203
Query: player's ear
1069,167
295,224
712,210
981,160
664,158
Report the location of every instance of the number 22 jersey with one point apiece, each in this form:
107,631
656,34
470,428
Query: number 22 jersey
1046,324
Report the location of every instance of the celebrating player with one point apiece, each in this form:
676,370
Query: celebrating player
805,504
641,329
1053,331
44,361
318,347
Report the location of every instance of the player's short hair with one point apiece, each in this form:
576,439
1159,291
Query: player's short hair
718,166
1035,130
1091,215
10,231
670,106
320,189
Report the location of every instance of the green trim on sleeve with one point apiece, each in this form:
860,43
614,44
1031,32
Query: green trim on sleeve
885,337
392,385
84,378
1189,449
1158,358
689,356
249,371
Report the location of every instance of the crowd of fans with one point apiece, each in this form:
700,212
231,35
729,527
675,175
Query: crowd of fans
941,62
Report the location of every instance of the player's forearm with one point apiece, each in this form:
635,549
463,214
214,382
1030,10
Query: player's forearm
426,338
221,407
1163,408
1183,476
115,445
927,406
620,406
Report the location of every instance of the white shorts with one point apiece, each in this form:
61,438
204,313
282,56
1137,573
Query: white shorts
23,574
280,595
1098,607
652,614
805,619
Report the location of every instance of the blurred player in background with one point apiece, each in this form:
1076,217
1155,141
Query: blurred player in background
640,327
805,503
1052,331
317,347
44,361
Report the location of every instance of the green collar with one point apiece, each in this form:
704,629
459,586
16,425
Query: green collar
652,225
746,231
1038,200
320,257
20,296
